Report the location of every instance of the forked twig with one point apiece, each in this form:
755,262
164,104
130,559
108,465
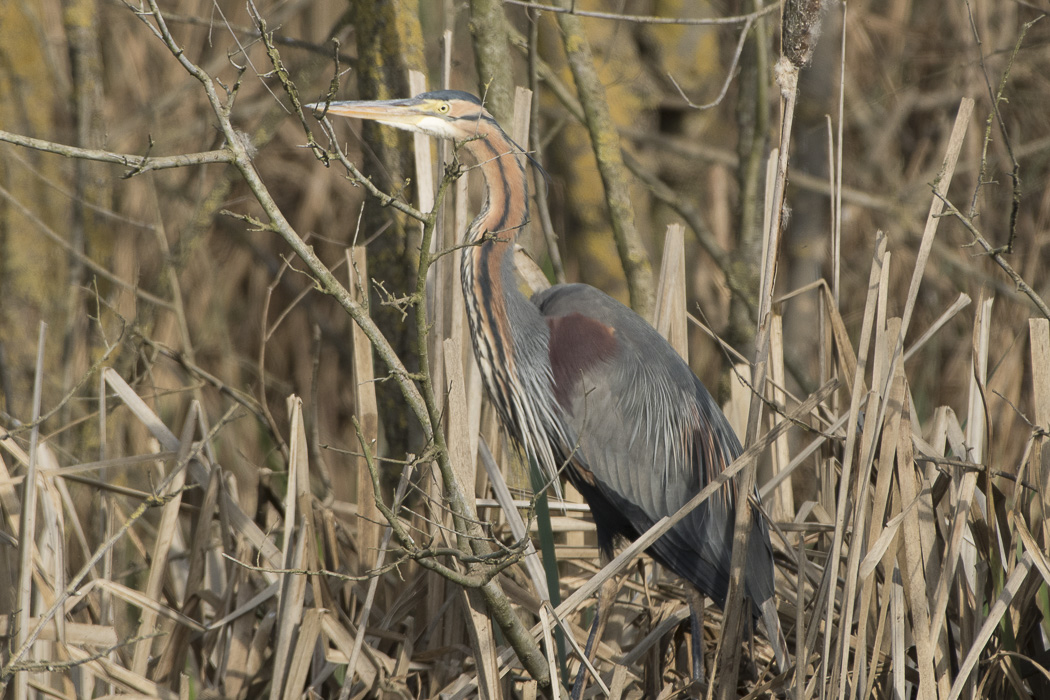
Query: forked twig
995,254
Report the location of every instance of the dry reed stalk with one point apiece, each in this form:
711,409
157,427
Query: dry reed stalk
960,303
75,632
176,647
9,498
1039,557
552,653
439,522
166,534
881,352
457,324
237,650
921,534
307,632
845,353
128,680
459,429
144,602
509,508
530,238
422,152
618,682
880,497
422,149
727,655
670,309
735,408
782,505
831,572
914,574
484,646
27,524
964,490
291,592
480,626
367,411
1039,337
52,565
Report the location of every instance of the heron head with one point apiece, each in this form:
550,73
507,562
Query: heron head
444,114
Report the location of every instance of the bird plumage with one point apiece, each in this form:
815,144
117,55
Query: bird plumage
650,437
579,379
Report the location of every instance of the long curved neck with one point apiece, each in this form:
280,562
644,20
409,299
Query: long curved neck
510,336
506,208
488,265
508,331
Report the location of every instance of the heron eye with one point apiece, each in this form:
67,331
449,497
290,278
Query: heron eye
443,108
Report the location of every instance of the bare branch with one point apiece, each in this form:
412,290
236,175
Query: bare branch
730,74
647,19
996,254
137,164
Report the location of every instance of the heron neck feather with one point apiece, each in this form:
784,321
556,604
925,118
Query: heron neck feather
504,214
510,336
509,332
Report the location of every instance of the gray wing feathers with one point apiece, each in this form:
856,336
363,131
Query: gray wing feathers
652,436
643,408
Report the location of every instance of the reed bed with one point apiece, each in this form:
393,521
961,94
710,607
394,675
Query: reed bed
206,521
938,591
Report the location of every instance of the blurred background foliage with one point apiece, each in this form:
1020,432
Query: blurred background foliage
196,298
185,275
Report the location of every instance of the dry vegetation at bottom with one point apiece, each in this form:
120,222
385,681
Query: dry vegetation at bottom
198,532
939,592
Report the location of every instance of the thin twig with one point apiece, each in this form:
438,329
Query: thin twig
730,73
996,97
647,19
359,178
136,164
98,364
536,146
995,254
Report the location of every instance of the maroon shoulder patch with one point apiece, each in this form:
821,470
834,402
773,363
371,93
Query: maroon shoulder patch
577,343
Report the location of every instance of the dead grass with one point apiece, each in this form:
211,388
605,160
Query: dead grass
202,515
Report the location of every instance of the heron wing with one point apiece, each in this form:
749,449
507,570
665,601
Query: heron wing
649,437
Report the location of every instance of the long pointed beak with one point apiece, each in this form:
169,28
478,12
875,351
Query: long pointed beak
405,112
